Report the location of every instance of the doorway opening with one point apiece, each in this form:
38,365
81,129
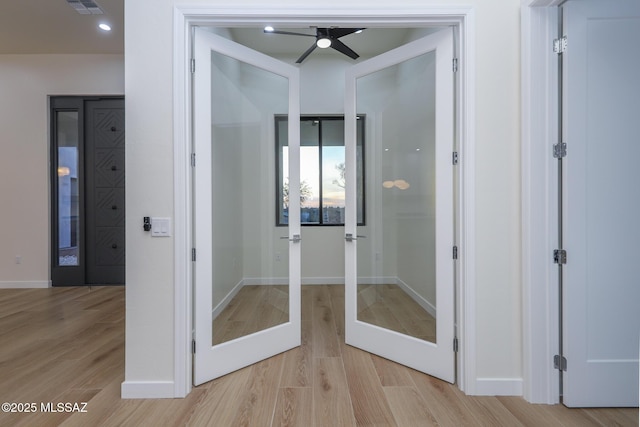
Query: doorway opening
87,191
187,20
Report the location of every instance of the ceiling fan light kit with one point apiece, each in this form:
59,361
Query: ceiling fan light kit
325,37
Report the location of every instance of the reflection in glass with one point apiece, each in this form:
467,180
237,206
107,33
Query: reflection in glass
396,262
68,191
250,262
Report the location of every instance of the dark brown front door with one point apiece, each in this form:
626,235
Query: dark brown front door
105,211
88,191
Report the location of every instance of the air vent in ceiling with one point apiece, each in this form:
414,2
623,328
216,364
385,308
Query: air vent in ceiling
85,7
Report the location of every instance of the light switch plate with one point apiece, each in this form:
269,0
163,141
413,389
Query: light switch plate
160,227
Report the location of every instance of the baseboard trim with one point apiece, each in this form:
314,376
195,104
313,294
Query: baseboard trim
147,390
322,280
498,387
419,299
227,299
25,284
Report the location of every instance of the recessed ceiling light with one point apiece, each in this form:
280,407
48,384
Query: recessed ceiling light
104,27
269,29
358,32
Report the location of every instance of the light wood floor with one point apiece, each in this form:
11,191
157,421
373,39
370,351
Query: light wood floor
67,345
390,307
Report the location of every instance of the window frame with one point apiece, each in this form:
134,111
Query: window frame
278,166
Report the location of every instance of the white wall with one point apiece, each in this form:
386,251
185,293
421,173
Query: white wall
26,81
150,263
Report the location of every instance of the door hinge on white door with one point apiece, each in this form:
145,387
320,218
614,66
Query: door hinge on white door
455,345
454,158
193,254
560,150
193,65
193,346
559,362
560,45
559,256
193,160
455,252
455,65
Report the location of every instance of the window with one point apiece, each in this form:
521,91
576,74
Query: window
322,166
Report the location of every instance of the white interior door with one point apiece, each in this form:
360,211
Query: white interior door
247,271
601,280
399,300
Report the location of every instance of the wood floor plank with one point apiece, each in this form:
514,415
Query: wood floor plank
292,407
258,401
527,414
488,411
325,342
370,406
444,403
390,373
298,363
613,417
331,398
222,400
408,407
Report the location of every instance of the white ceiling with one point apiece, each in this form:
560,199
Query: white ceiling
53,26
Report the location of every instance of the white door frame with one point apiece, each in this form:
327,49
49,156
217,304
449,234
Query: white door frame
539,97
186,17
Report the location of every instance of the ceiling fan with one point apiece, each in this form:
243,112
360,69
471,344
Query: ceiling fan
325,37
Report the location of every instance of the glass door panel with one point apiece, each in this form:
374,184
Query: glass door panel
68,203
250,290
399,296
247,270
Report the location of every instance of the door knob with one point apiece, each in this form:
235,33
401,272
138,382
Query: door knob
114,246
114,207
114,168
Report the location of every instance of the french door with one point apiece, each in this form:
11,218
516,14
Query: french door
399,300
600,279
247,270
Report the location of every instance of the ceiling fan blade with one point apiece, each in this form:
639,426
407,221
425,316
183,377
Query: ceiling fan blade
341,32
343,48
307,53
289,33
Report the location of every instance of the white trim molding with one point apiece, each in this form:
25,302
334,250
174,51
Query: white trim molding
147,390
539,94
25,284
462,17
499,386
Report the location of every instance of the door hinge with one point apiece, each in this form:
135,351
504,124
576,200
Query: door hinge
560,45
455,252
559,256
193,254
193,65
455,345
560,150
560,362
193,346
193,160
455,65
454,158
